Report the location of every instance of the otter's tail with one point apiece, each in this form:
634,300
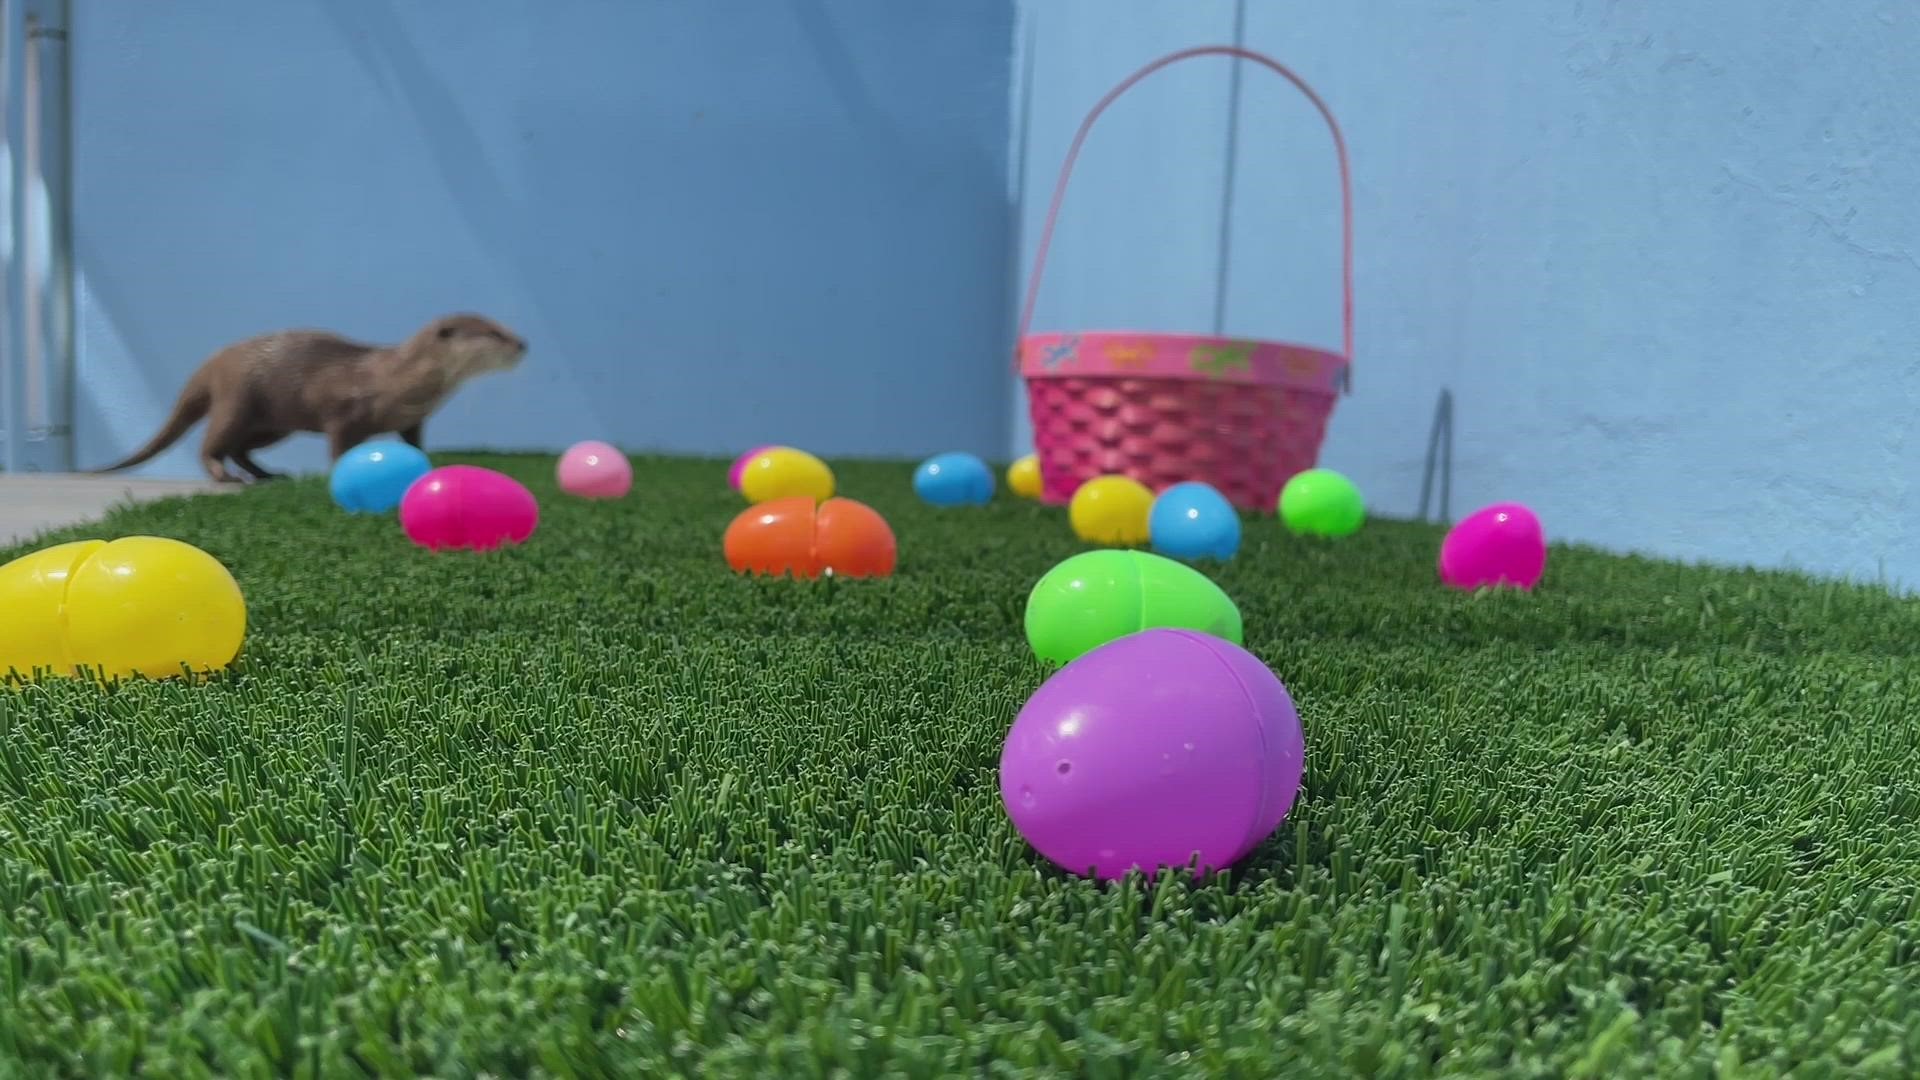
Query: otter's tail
188,411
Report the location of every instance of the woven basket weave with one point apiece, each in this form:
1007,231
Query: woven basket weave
1242,415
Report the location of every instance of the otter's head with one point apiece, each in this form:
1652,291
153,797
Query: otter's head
472,345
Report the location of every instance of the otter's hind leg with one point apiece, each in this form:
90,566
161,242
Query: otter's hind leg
225,431
243,454
244,459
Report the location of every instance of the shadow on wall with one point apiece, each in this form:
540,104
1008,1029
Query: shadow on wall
715,230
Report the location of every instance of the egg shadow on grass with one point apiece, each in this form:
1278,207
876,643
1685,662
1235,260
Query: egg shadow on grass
1274,859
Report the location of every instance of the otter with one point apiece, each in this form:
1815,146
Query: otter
257,392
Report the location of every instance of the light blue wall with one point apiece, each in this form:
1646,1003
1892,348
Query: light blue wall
719,223
1664,255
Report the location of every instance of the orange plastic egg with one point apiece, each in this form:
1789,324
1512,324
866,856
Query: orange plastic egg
851,539
839,537
772,537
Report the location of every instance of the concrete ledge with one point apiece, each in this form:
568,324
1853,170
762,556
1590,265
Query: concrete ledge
31,503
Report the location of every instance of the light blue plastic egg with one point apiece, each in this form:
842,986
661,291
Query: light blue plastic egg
371,477
1194,521
955,479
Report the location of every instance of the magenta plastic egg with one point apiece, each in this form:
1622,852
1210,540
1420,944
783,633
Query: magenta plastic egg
1502,545
594,470
465,506
1154,750
740,465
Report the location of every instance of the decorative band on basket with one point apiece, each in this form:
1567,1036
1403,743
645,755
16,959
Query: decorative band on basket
1120,354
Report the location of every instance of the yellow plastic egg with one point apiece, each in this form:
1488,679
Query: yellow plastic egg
1023,477
33,593
138,606
1111,510
786,473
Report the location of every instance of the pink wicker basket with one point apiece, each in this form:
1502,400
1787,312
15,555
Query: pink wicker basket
1244,416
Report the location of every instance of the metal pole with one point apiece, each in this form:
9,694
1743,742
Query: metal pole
1027,26
46,102
12,372
1439,459
1223,270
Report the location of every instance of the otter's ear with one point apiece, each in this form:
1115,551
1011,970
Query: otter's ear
448,331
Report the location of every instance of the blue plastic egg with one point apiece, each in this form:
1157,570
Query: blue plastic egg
1194,521
371,477
954,479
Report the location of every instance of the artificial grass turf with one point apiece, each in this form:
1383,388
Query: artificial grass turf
596,806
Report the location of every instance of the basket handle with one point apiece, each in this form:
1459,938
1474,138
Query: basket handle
1339,148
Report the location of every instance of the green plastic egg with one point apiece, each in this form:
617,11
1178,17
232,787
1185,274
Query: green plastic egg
1098,596
1321,502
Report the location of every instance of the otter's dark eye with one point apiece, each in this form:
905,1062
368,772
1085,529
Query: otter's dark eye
448,331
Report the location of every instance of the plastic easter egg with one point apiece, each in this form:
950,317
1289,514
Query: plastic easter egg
784,473
740,465
1111,510
1501,545
955,479
1166,748
851,539
141,606
594,470
1194,521
1023,477
1099,596
467,507
1321,502
838,537
372,477
146,605
33,594
772,538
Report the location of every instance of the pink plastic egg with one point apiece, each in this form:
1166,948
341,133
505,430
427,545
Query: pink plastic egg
1502,545
594,470
465,506
740,465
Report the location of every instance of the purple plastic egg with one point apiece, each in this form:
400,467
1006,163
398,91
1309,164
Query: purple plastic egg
1152,750
1502,545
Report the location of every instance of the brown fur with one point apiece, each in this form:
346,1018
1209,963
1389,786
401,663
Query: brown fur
257,392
